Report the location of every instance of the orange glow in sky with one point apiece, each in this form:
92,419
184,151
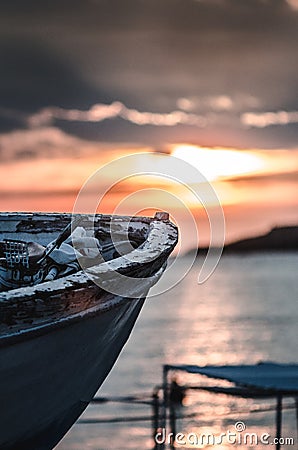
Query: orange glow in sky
217,163
256,188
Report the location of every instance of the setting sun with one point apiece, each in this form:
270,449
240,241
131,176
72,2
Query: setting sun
219,163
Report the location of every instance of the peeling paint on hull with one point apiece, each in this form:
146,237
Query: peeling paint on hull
60,339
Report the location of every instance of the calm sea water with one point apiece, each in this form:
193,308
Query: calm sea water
245,313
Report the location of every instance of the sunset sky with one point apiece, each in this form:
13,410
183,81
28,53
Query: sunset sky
211,82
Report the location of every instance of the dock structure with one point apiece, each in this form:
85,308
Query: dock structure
264,380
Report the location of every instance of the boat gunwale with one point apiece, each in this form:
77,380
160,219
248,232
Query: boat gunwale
161,238
47,327
136,257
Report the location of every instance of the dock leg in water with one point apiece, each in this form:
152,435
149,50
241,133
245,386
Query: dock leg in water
278,421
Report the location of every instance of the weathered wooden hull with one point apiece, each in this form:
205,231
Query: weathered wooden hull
48,380
60,339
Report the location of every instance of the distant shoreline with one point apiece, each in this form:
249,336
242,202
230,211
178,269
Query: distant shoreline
279,239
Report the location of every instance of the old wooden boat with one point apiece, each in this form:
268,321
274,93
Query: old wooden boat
59,339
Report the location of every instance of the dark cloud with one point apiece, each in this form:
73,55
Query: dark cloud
32,76
150,54
11,119
118,130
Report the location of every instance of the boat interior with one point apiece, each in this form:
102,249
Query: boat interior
37,247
